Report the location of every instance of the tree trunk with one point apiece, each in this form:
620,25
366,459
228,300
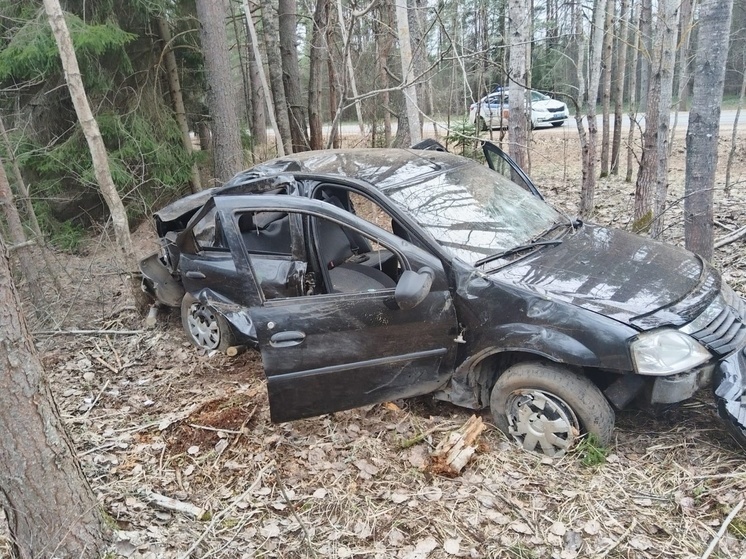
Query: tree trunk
221,96
349,68
263,78
588,145
634,21
258,95
335,88
384,44
606,88
411,113
519,112
18,237
174,86
274,65
704,124
652,179
291,74
95,142
734,135
51,509
645,52
685,32
621,68
315,65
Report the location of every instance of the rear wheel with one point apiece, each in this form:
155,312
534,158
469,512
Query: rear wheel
481,124
546,408
203,325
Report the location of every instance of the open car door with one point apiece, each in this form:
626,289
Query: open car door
501,162
348,341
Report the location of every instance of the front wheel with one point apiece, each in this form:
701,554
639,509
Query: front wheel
205,328
546,408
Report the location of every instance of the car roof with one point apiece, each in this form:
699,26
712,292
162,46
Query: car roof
382,168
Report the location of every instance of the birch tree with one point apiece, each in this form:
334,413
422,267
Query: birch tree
704,124
518,21
411,112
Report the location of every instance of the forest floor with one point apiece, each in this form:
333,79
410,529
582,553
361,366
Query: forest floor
149,414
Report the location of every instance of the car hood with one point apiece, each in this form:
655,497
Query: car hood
547,105
636,280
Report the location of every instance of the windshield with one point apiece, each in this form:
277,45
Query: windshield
473,211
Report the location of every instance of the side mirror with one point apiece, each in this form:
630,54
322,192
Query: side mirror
413,287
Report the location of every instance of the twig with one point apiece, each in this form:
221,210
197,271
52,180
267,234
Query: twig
281,485
105,364
624,535
95,401
219,516
87,332
723,528
178,506
737,234
216,429
407,443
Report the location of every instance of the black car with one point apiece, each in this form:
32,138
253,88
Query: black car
366,275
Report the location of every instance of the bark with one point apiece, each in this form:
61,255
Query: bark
177,100
349,68
606,88
245,112
652,179
704,119
291,74
227,153
95,142
263,78
18,237
274,65
384,44
645,52
411,114
519,110
621,68
316,61
51,509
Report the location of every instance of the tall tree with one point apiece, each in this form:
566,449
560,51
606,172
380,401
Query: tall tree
621,72
50,508
518,18
686,13
652,179
704,124
177,100
221,96
411,113
95,141
606,86
315,73
270,26
288,20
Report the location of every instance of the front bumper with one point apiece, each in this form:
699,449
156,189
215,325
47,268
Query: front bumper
729,385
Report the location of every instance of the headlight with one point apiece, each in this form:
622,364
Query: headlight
666,352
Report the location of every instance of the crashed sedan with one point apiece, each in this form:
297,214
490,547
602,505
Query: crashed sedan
366,275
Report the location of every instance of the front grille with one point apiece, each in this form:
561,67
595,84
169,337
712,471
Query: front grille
727,331
555,110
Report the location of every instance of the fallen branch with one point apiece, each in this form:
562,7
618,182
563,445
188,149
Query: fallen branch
733,237
87,332
626,533
723,528
455,451
178,506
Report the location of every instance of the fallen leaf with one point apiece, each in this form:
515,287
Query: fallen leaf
520,527
452,546
592,527
320,493
193,450
558,529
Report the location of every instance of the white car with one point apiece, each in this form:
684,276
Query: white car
492,110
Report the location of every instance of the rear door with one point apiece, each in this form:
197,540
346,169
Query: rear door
348,344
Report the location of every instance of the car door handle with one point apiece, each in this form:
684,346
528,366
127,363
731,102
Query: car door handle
287,339
195,275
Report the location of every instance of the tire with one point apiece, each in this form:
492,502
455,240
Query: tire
481,125
204,326
546,408
558,124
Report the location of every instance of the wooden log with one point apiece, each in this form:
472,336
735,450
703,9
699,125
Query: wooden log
178,506
455,451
